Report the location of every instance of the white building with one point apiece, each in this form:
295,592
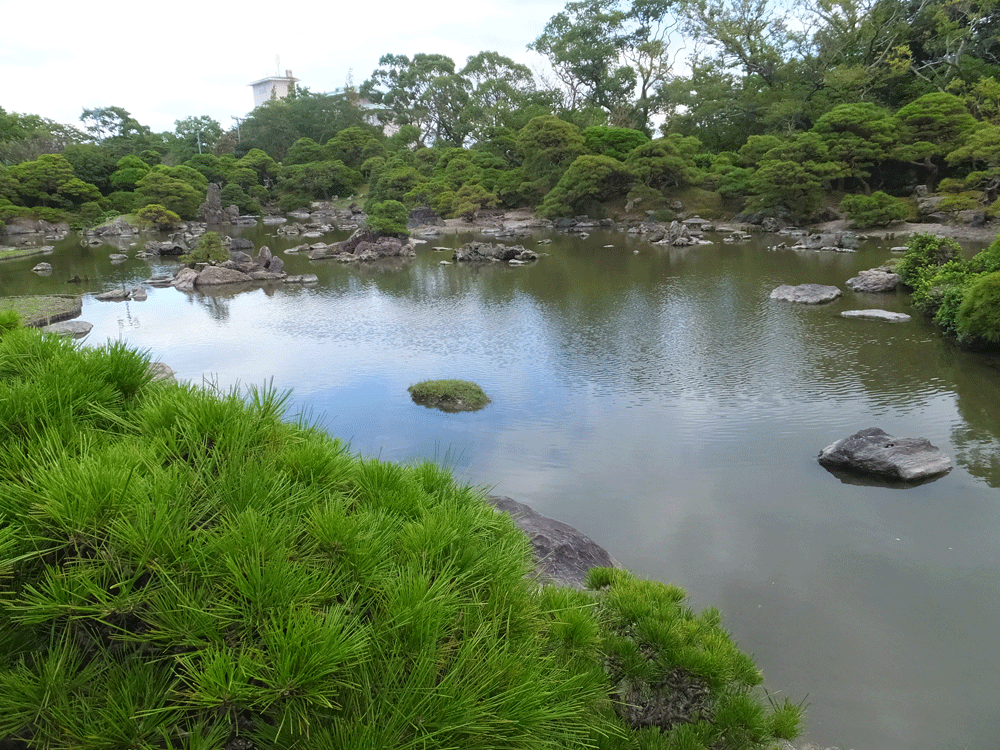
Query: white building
274,87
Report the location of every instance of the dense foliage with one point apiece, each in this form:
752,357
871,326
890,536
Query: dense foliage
184,569
780,108
963,296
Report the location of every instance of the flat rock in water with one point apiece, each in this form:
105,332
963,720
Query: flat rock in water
891,317
76,329
115,295
807,294
562,554
875,452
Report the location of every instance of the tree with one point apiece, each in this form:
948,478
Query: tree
115,129
388,218
172,193
665,162
40,180
425,92
548,146
589,178
77,192
130,170
92,164
276,125
304,150
354,146
930,128
197,135
859,135
503,95
321,179
263,166
614,142
583,45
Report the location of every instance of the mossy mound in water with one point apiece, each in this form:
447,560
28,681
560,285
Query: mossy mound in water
449,395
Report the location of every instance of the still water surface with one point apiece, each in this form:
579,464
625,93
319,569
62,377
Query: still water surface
658,400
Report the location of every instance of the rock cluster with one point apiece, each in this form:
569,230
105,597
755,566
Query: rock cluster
472,252
891,317
364,245
241,268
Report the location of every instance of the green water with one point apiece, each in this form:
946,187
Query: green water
659,401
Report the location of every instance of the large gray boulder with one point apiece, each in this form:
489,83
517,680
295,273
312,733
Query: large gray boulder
562,554
874,280
214,275
875,452
807,294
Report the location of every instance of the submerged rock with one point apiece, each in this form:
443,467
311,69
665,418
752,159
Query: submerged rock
873,451
890,317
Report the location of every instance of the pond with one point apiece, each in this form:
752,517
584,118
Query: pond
659,401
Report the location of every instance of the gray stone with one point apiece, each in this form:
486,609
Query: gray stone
162,372
874,280
873,451
76,329
276,265
114,295
43,269
184,280
214,275
139,294
891,317
562,554
807,294
305,278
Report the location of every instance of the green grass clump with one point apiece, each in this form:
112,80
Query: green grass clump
449,395
182,568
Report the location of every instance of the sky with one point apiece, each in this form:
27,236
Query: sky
167,61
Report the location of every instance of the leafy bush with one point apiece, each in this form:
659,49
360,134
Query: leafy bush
875,210
208,250
978,317
924,254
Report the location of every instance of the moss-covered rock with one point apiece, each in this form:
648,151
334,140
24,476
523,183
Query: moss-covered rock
449,395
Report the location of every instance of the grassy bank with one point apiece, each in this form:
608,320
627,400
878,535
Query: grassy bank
184,568
41,310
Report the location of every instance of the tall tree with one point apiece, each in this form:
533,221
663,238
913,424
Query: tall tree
425,92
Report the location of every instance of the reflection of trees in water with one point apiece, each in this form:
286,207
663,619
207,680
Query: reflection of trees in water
977,437
216,304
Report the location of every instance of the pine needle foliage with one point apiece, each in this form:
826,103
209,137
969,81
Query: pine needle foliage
183,568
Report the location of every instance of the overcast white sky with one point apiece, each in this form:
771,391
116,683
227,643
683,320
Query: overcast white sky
166,61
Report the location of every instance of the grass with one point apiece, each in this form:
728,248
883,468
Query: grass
12,253
449,395
41,310
185,568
